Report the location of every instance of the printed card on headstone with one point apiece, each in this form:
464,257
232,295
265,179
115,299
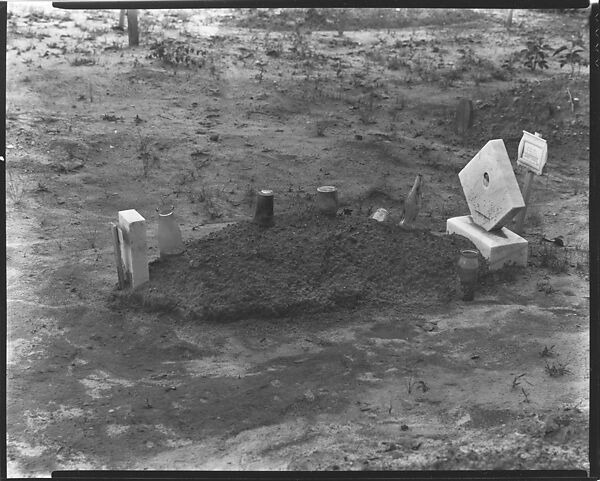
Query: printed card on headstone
532,153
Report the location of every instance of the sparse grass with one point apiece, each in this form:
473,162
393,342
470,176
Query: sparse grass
15,187
249,195
415,384
149,159
79,61
558,263
548,351
395,63
207,196
197,195
545,286
517,381
90,234
41,187
425,68
366,108
557,369
321,125
534,218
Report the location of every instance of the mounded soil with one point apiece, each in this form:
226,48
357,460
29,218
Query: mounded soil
304,264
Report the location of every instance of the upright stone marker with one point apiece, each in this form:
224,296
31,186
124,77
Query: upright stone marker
464,117
132,236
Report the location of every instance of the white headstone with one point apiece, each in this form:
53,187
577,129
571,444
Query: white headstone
132,235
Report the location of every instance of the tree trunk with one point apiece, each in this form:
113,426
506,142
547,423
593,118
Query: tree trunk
132,28
263,214
509,18
122,20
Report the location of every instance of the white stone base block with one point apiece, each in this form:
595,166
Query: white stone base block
500,247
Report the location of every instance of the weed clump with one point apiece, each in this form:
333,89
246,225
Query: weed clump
557,369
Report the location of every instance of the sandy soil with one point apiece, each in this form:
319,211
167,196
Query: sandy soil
94,127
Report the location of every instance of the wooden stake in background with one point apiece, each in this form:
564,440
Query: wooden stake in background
132,28
533,157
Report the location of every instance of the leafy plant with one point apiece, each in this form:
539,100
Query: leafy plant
534,55
570,54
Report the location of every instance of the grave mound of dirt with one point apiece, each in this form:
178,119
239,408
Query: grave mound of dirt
304,264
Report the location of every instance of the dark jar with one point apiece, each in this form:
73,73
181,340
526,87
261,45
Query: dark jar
468,267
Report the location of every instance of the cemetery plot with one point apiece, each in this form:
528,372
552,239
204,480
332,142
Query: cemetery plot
289,334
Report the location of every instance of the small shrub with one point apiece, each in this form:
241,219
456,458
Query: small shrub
176,53
534,55
557,369
571,54
557,263
149,159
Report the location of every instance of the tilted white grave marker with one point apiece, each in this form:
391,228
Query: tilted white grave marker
494,198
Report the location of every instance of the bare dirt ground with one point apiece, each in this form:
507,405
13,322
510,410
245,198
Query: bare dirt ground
289,100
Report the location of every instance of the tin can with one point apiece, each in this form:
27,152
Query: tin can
380,215
327,200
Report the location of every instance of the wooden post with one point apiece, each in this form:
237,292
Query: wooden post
132,28
509,19
118,261
464,117
122,20
520,220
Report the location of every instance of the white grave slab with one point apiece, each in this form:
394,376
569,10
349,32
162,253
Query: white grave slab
132,235
490,187
500,247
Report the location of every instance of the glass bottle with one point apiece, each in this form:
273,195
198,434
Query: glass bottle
169,234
